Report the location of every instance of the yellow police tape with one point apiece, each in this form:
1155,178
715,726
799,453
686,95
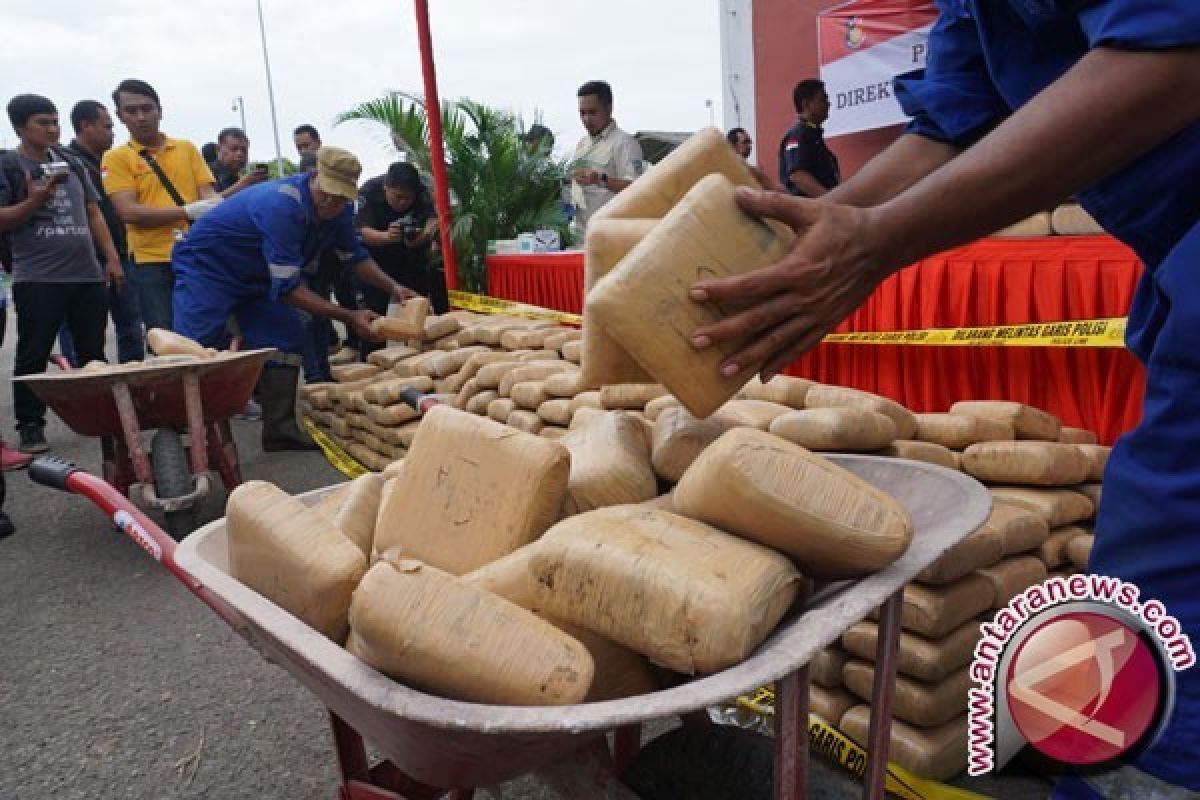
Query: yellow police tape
495,305
334,453
825,739
1102,332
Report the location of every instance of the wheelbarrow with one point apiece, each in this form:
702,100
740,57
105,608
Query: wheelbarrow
432,744
170,394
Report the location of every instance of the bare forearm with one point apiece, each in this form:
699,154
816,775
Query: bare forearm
905,162
374,237
101,234
148,216
15,216
306,299
618,184
1108,109
370,272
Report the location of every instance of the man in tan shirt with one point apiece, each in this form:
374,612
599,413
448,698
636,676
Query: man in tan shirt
606,160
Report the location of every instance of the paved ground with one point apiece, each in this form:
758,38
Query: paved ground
117,683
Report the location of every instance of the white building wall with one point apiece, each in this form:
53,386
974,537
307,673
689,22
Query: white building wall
737,67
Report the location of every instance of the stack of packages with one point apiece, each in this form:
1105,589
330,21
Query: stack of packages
647,430
1045,481
493,565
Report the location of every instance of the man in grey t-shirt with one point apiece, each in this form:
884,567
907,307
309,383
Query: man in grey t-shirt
54,225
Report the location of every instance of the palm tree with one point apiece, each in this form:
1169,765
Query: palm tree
499,186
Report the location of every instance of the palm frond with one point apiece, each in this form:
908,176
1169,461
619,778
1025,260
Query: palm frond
501,188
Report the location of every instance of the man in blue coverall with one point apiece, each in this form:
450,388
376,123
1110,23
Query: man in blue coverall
1023,103
247,257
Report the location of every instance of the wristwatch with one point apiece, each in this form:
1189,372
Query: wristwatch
604,179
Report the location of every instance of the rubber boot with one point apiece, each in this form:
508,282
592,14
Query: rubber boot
277,395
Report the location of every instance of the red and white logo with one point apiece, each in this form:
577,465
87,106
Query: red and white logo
1084,688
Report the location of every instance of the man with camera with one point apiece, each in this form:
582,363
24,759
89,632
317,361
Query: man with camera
397,223
233,153
49,208
247,258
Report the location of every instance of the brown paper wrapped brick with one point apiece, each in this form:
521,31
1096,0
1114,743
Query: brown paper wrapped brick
1020,529
437,632
840,396
934,611
1053,551
292,555
473,491
928,452
619,671
404,320
356,516
829,521
604,361
1012,576
825,669
982,548
1027,463
936,753
957,431
830,704
610,464
835,429
783,389
927,660
1057,506
926,705
679,438
644,304
1027,422
685,595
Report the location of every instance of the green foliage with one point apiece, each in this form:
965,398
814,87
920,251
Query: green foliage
289,168
499,187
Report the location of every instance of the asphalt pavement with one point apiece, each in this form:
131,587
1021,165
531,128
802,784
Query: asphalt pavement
115,682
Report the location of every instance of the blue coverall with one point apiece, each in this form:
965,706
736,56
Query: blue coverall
989,57
246,254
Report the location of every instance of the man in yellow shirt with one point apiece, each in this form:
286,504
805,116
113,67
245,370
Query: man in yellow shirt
158,185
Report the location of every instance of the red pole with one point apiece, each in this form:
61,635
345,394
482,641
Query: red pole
437,153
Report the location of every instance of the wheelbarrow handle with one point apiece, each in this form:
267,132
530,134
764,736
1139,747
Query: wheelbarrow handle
52,471
58,473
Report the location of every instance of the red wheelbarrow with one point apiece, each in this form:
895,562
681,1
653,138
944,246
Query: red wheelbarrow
170,394
432,744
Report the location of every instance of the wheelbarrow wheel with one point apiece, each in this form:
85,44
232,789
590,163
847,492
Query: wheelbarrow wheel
172,478
715,762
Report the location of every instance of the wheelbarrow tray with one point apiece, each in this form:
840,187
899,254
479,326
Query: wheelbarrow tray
84,400
454,744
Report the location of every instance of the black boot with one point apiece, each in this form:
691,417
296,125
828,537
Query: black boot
277,394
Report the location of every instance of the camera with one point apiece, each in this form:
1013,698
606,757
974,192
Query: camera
51,170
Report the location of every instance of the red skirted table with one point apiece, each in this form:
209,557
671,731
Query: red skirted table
990,282
550,280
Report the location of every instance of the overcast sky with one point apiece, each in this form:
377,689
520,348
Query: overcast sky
662,59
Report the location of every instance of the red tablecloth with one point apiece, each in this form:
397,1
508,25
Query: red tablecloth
990,282
550,280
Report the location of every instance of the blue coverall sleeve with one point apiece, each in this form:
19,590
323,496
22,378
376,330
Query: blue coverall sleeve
1140,24
283,227
953,99
347,244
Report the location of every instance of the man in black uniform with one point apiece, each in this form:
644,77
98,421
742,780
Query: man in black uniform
807,167
233,152
398,224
